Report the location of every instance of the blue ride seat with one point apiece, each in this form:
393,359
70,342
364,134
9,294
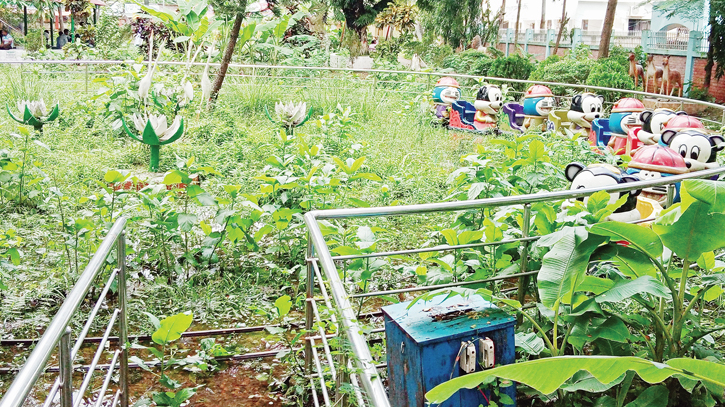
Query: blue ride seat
600,127
466,110
515,112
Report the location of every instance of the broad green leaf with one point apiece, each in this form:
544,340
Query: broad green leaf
654,396
187,221
630,262
708,191
530,343
624,289
171,328
564,266
605,369
595,285
706,261
468,236
451,236
345,251
612,329
695,232
640,237
283,305
585,381
154,321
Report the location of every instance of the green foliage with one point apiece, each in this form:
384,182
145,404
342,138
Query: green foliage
603,369
34,41
610,73
469,62
459,21
514,67
565,70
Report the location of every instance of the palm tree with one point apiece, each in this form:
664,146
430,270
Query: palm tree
607,29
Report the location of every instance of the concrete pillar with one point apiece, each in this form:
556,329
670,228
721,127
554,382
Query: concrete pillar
576,38
509,39
550,37
529,37
645,41
693,50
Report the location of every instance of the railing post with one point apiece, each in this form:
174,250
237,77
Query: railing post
508,40
576,37
645,41
524,281
527,39
123,320
309,317
549,38
66,369
670,194
693,48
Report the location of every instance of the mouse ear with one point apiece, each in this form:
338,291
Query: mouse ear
717,141
572,170
576,100
645,116
681,113
601,98
667,136
631,178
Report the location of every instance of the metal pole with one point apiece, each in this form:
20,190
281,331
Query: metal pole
524,280
66,370
123,320
86,78
670,195
25,21
309,315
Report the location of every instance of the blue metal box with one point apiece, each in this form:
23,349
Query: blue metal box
424,341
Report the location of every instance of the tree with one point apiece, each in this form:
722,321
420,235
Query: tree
607,29
564,20
359,14
454,20
233,9
542,26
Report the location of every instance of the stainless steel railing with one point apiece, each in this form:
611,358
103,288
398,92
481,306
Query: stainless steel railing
366,381
58,334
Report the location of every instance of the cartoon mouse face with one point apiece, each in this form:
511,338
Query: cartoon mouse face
655,121
489,99
601,175
585,108
696,147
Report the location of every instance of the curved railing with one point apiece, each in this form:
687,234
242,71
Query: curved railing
319,257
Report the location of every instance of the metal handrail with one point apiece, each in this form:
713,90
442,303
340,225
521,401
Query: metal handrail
361,70
58,330
318,252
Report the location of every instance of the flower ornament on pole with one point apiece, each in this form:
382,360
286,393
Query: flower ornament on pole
290,115
154,131
34,113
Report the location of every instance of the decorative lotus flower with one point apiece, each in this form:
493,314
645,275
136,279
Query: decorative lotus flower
155,132
290,115
34,113
188,94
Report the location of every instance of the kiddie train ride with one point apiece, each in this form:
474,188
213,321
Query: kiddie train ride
661,142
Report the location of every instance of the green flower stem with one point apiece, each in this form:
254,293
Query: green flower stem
155,153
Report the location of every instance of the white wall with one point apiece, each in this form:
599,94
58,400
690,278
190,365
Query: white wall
577,10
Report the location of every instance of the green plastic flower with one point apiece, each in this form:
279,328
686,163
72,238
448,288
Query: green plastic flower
155,132
34,113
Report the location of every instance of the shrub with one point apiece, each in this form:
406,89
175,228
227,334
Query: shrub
611,74
34,41
470,62
565,70
435,55
514,67
698,93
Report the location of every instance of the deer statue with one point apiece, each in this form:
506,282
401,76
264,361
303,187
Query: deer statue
652,71
671,79
635,70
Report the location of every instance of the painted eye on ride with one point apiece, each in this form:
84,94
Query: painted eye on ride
581,187
683,151
695,153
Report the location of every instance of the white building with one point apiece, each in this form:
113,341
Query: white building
588,15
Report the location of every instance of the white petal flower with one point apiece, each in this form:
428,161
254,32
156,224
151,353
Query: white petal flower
40,109
290,114
21,106
171,130
140,122
159,124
